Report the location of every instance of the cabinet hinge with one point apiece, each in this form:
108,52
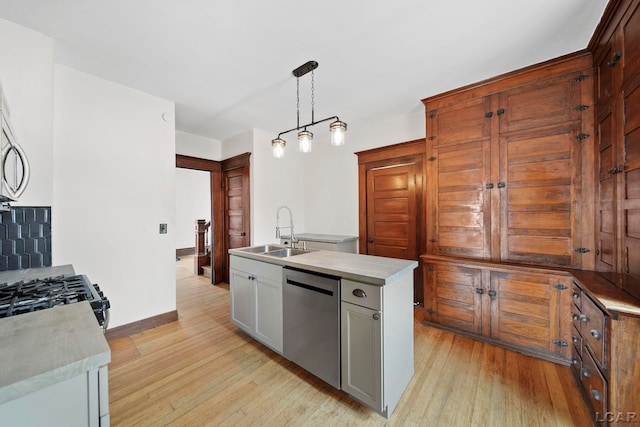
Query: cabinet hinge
489,114
431,138
582,250
560,286
582,136
430,310
582,107
432,115
581,77
560,343
433,240
431,159
430,268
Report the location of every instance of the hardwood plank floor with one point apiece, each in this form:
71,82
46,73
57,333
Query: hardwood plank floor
202,371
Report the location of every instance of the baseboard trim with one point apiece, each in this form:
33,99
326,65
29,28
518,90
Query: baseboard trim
185,251
141,325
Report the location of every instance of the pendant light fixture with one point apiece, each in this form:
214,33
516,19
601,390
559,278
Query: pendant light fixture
305,138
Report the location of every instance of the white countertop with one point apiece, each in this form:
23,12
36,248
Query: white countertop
48,346
361,268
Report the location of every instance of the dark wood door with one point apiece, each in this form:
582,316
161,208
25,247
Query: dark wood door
237,212
391,204
391,211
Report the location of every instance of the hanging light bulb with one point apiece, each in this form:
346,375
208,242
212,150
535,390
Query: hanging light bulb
278,145
305,138
338,129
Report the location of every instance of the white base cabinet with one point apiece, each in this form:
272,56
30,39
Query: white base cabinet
256,300
377,341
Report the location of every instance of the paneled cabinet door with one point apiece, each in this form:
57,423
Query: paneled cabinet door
532,311
540,196
268,315
362,354
459,200
242,299
453,296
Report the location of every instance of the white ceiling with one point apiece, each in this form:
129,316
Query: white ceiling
227,63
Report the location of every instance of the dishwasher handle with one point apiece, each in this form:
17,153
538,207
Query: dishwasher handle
309,287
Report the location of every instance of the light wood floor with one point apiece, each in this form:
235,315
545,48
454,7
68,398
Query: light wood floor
201,370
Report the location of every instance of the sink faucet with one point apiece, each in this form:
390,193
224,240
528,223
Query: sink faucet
293,237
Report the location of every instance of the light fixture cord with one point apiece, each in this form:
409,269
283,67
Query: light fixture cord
312,98
298,102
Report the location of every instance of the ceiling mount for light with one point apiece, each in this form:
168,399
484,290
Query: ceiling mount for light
305,138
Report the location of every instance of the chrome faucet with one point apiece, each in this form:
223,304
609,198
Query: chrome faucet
293,237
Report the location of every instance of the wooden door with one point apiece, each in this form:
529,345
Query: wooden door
391,211
540,196
460,200
237,221
605,209
453,297
391,204
527,310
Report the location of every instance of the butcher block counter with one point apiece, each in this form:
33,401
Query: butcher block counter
54,368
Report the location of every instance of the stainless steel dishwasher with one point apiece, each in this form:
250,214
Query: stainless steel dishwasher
311,317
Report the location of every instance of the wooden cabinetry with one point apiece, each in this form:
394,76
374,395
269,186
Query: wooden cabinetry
504,169
606,339
616,46
377,342
519,307
256,300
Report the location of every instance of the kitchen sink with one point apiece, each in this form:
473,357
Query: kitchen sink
262,249
286,252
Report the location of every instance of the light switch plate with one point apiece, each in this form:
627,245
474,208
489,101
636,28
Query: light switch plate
163,228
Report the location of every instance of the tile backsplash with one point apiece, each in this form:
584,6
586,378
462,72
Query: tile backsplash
25,237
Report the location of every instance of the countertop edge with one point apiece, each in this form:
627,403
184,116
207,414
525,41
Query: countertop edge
298,261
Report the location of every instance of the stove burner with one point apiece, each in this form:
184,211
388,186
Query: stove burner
38,294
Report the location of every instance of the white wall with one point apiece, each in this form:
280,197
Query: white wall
331,173
198,146
114,183
193,202
26,71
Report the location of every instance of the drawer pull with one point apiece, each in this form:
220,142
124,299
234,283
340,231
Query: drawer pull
376,316
574,338
575,316
359,293
575,361
576,295
585,373
596,394
594,333
584,318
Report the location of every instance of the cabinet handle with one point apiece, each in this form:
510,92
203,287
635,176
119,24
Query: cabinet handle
576,295
479,291
488,114
501,184
492,293
489,186
585,373
584,318
376,316
359,293
575,361
596,394
500,111
594,333
575,316
574,338
370,240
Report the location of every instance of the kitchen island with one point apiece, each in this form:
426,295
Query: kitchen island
372,307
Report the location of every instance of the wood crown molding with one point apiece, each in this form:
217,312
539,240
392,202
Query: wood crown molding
197,163
408,148
239,161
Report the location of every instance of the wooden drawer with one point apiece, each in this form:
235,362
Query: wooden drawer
593,330
577,296
576,360
362,294
594,383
